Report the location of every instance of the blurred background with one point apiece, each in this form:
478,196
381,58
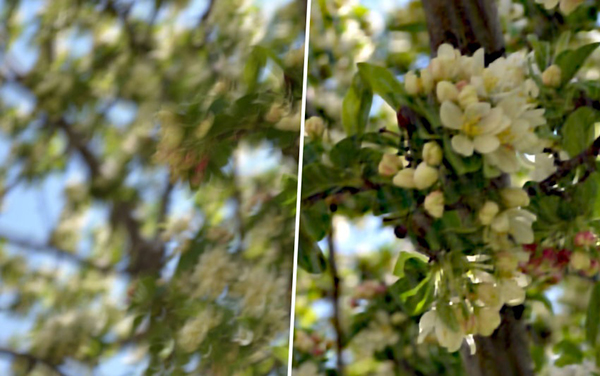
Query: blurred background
148,160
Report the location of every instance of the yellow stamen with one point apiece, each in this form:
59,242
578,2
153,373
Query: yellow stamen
490,82
506,137
470,127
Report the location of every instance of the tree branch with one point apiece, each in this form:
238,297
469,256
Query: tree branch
25,243
165,203
207,13
31,358
588,156
335,296
78,142
368,186
145,255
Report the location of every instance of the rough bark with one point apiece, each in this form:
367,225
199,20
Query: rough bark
470,25
466,24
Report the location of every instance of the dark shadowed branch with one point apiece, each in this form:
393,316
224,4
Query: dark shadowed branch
335,297
588,156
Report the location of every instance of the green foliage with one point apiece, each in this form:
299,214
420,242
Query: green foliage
570,61
356,107
592,318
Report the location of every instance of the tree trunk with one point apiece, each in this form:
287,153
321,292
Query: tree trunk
466,24
470,25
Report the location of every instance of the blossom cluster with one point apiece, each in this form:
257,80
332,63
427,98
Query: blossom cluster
490,112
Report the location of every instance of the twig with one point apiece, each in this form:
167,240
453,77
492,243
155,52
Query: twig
237,195
588,156
336,303
165,203
31,358
368,186
77,142
207,13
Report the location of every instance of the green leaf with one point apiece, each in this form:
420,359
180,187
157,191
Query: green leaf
586,194
541,51
310,256
562,43
356,107
404,256
578,130
384,84
346,152
414,292
592,318
571,61
570,353
254,65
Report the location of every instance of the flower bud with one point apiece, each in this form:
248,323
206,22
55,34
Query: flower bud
425,176
467,96
568,6
446,91
426,80
432,153
412,83
580,261
488,319
203,128
405,178
390,164
488,211
434,204
500,223
437,69
585,239
551,76
314,127
514,197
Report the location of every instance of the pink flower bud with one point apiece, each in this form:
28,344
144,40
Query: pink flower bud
585,239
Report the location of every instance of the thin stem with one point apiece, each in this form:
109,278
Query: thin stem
237,196
588,156
335,297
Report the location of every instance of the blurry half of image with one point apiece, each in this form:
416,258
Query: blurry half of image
148,169
450,189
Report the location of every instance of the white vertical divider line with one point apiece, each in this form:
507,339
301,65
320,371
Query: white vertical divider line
299,190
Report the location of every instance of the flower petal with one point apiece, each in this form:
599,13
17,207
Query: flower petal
486,143
446,50
451,115
505,159
494,122
426,324
462,145
447,337
477,110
